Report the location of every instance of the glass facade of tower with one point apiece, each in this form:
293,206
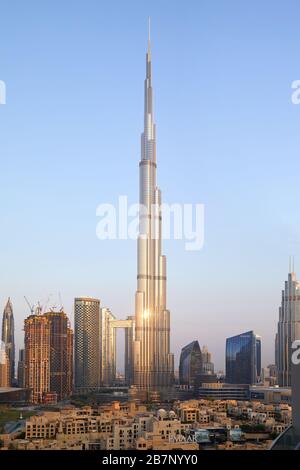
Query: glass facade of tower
258,357
87,343
190,365
21,368
243,358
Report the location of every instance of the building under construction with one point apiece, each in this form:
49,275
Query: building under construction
61,354
48,354
37,356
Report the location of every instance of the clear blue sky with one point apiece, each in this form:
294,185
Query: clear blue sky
228,136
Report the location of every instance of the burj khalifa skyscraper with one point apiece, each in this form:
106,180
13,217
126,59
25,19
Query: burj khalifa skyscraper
153,362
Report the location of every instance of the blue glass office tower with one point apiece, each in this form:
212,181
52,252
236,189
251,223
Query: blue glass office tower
243,358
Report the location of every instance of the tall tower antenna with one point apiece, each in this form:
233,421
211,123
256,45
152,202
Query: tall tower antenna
293,263
149,34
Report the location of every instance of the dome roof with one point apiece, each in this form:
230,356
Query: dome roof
162,413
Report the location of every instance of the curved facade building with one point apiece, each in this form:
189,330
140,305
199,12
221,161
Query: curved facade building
190,365
243,358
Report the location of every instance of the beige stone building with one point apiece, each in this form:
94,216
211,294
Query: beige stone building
124,426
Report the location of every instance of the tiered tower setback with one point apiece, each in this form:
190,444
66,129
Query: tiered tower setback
153,362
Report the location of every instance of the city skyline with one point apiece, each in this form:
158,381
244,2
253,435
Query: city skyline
107,340
241,266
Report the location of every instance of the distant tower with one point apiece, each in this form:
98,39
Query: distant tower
8,337
153,362
70,360
37,356
207,364
87,343
21,368
288,328
276,353
59,360
107,347
129,342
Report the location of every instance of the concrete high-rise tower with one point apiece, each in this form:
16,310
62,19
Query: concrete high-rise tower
288,328
60,362
153,362
37,356
8,337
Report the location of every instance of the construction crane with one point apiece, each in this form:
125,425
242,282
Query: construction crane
38,309
61,303
31,307
46,303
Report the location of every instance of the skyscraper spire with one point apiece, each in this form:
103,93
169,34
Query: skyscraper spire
149,37
153,362
291,264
